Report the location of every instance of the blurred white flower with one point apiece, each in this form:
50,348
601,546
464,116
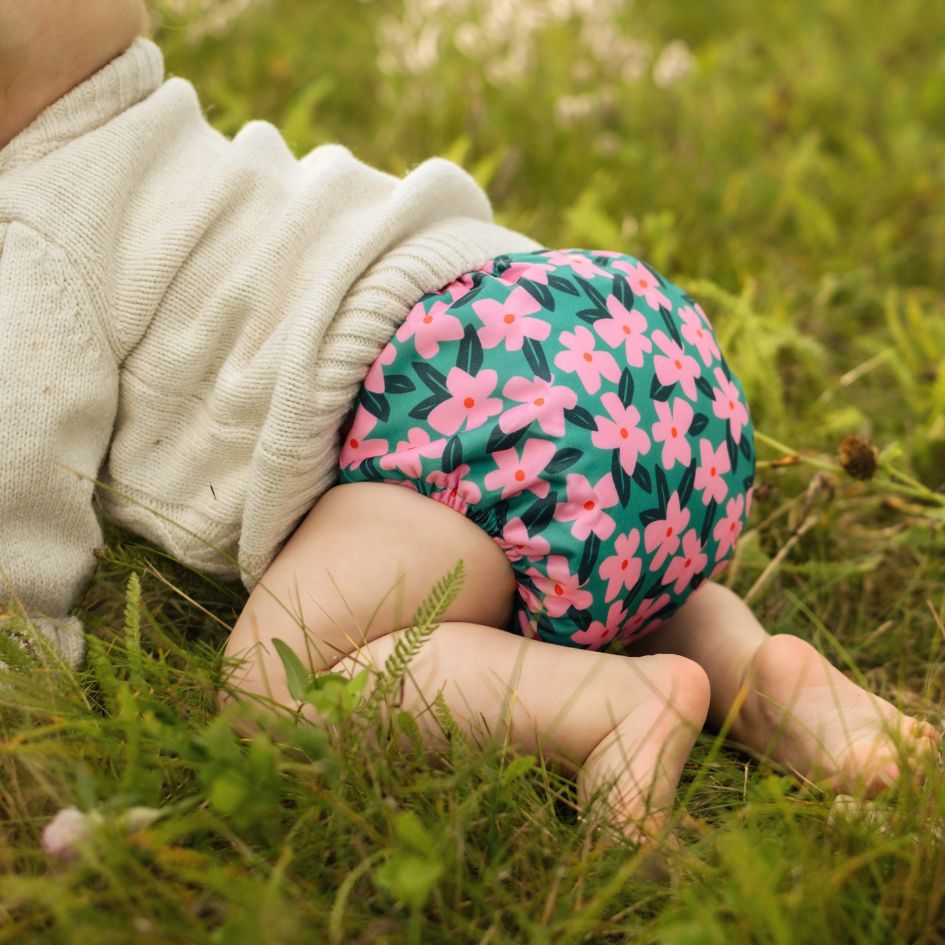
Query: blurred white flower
674,63
64,835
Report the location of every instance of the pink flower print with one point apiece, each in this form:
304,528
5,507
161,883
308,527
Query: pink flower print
374,380
671,429
622,570
586,504
455,491
643,282
533,271
406,457
470,403
514,474
508,321
683,568
620,432
710,476
729,528
560,589
458,287
598,634
428,329
516,542
728,405
578,262
675,365
357,447
626,328
538,400
695,332
649,606
663,534
580,356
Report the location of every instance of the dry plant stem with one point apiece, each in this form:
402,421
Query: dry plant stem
908,486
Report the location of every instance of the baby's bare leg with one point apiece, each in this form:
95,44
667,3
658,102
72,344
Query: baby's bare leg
355,572
797,710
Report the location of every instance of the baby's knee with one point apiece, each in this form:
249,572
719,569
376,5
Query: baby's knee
688,688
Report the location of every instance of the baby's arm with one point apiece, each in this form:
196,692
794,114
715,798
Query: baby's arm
58,391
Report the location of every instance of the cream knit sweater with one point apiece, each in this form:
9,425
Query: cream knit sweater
185,322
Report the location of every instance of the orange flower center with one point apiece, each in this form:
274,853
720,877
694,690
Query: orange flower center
678,365
519,474
669,531
623,432
627,330
508,318
589,505
712,471
623,564
559,590
468,402
354,443
644,284
588,356
427,319
539,401
674,432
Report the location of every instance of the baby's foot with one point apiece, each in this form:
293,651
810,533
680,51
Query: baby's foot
635,769
803,713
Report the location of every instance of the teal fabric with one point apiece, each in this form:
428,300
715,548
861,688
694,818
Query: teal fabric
575,405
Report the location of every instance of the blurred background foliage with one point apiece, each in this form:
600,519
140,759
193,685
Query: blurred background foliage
785,160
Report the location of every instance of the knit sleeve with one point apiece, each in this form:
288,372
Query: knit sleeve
58,397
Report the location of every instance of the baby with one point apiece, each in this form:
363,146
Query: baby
337,384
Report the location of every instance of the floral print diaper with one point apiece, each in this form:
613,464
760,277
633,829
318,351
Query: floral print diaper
576,406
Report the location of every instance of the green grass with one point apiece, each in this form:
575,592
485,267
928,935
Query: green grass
795,182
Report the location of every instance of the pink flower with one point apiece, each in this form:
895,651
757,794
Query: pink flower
585,506
695,332
622,570
729,528
643,282
642,616
620,432
626,328
515,475
530,611
470,403
711,472
560,589
599,634
533,271
517,543
728,405
374,381
458,287
538,400
671,429
406,457
578,262
357,447
428,329
686,566
675,365
580,356
663,534
508,321
455,491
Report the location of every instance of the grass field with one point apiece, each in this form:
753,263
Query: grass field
783,162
